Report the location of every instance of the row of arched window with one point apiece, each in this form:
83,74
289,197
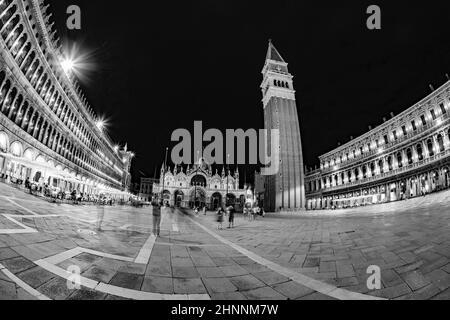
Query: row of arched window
20,47
25,115
399,159
386,139
281,84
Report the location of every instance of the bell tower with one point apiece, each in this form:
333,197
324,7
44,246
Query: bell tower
284,190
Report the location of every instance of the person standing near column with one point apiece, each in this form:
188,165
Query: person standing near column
156,212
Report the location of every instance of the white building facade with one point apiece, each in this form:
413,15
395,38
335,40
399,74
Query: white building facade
199,186
407,156
48,133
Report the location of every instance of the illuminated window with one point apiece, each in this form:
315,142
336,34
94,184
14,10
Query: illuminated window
433,114
424,122
404,130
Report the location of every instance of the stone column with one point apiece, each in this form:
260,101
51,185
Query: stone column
425,149
446,140
408,188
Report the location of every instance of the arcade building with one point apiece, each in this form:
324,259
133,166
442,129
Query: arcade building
48,133
407,156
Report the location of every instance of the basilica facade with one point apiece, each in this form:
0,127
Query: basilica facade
200,186
407,156
48,132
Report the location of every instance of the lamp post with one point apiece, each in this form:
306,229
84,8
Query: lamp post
164,176
195,184
227,173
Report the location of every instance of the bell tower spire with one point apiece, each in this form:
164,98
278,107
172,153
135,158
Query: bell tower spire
284,190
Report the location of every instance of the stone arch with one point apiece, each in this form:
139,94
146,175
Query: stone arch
40,158
178,198
199,180
216,200
230,199
29,154
4,141
16,148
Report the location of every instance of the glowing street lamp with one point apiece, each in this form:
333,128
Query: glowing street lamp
100,124
68,65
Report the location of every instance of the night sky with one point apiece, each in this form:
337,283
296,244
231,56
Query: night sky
160,67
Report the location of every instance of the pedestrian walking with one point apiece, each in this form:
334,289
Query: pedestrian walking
196,211
230,211
220,214
204,210
156,212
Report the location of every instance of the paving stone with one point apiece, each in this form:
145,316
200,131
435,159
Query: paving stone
316,296
292,290
446,268
113,297
228,296
327,266
391,292
182,262
188,286
7,290
28,253
7,253
158,267
232,271
311,262
18,264
85,294
255,268
219,285
83,265
244,261
264,293
345,271
127,280
108,263
409,267
203,262
185,272
390,278
56,289
426,268
133,268
346,282
36,276
223,261
210,272
415,280
444,295
23,295
99,274
440,279
158,285
271,277
424,293
246,282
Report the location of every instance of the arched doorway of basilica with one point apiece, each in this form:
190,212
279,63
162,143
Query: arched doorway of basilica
166,196
230,200
446,175
197,197
198,180
179,197
216,200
